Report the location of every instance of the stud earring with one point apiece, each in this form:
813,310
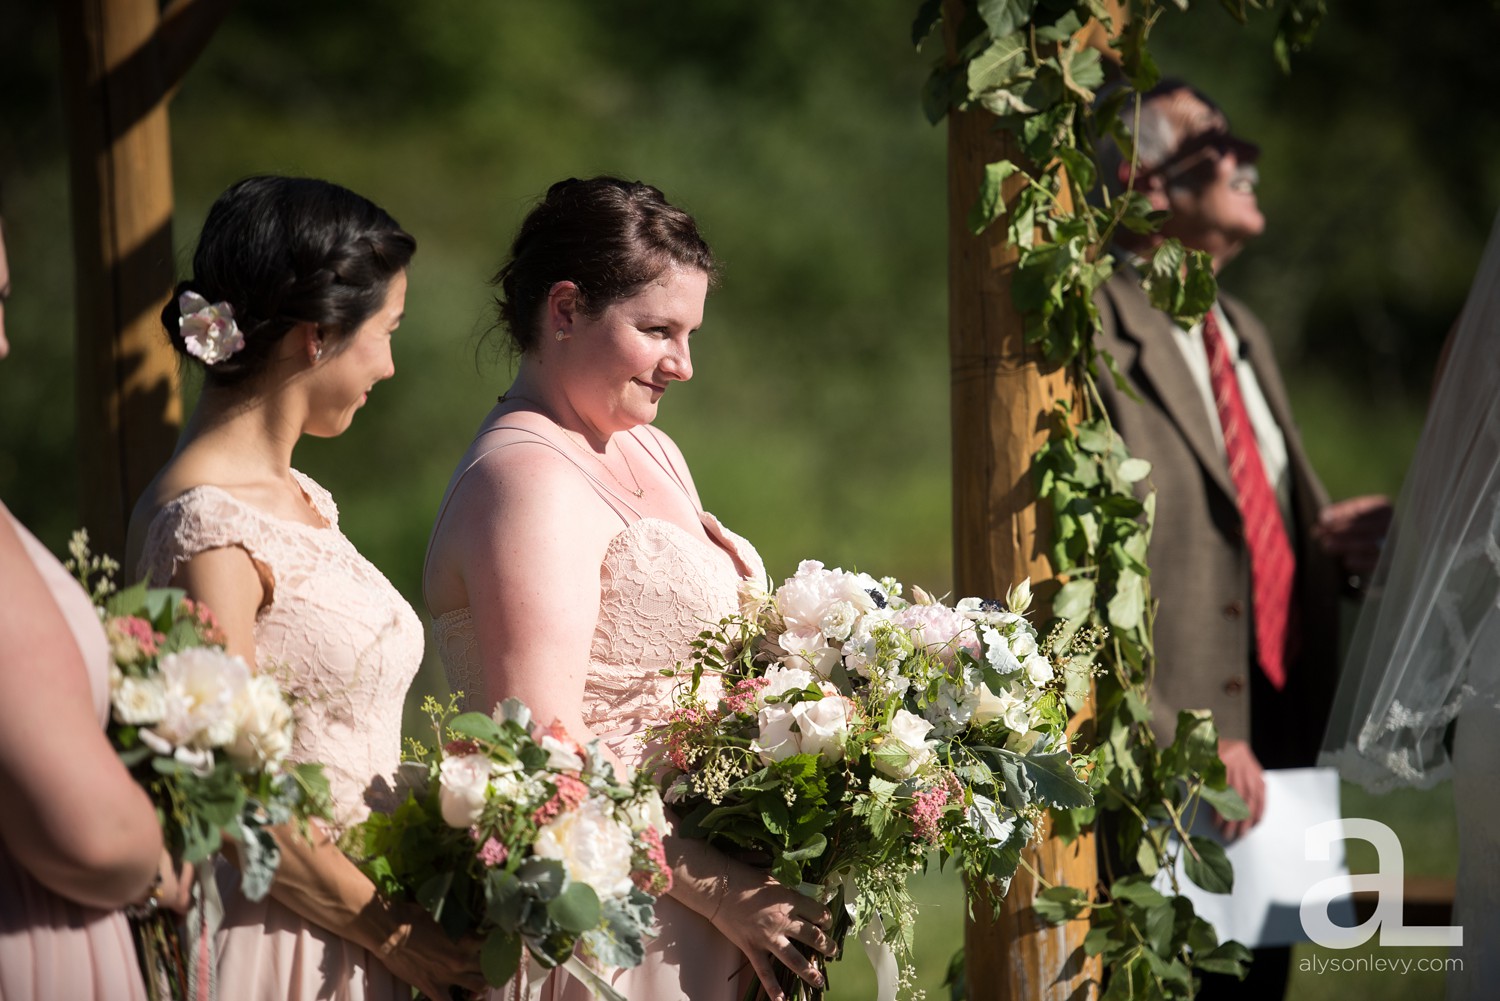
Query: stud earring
317,353
559,334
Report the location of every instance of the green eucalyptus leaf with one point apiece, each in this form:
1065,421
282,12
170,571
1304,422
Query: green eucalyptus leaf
576,909
1004,17
1128,603
500,957
991,202
1057,904
1134,470
1074,600
928,15
1226,801
477,726
1207,865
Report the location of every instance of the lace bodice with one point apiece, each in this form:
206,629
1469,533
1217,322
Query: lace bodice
659,587
338,634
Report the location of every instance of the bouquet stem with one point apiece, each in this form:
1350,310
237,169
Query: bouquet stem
159,950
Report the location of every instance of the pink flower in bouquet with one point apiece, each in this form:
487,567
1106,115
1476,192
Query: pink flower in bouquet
743,697
131,638
927,813
207,623
679,742
492,852
570,792
940,629
651,873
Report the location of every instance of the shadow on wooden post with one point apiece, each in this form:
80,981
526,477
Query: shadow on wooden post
121,61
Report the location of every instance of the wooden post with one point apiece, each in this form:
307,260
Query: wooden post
121,61
1003,394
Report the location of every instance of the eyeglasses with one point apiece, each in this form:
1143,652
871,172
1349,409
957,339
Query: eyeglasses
1201,150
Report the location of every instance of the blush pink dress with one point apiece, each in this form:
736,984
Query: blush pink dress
50,947
659,587
347,646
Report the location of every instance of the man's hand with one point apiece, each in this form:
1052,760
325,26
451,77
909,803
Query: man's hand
1246,777
1352,532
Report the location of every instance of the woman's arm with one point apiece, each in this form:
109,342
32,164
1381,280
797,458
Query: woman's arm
530,535
314,878
74,817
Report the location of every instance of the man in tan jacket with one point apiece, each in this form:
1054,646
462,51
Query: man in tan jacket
1248,558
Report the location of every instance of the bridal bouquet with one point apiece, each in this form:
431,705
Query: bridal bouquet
206,736
856,731
523,838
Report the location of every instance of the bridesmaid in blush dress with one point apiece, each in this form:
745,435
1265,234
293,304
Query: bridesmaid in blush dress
572,559
78,836
298,286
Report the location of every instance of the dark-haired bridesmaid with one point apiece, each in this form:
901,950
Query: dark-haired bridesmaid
298,286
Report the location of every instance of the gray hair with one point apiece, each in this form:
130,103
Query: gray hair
1157,136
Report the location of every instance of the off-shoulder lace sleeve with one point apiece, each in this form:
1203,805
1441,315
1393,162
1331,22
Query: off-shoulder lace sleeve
201,519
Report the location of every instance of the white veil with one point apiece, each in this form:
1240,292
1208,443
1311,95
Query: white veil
1428,637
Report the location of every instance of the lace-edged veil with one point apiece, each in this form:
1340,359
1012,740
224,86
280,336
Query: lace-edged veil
1428,636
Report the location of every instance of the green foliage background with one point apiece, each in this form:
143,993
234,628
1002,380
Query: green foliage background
817,422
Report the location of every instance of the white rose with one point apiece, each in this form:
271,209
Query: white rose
593,847
777,740
263,726
1022,645
463,783
808,652
910,753
988,708
1013,710
561,757
824,726
1038,669
200,686
139,700
781,680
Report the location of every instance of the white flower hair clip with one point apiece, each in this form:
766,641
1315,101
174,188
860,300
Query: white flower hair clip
208,329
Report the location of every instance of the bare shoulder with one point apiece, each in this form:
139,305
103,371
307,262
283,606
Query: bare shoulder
517,505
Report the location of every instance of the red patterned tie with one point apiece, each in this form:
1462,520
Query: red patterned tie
1272,565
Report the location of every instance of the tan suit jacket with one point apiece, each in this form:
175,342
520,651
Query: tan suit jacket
1200,569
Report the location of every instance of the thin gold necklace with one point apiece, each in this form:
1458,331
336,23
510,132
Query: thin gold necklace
638,490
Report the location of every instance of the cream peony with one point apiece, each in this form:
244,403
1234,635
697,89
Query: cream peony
463,784
263,724
200,686
593,847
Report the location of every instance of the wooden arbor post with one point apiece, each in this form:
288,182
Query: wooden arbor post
121,61
1003,395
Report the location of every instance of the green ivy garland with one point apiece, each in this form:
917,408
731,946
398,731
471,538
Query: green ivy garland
1024,61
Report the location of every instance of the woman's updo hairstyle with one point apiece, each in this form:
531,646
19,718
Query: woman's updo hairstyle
609,237
287,250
